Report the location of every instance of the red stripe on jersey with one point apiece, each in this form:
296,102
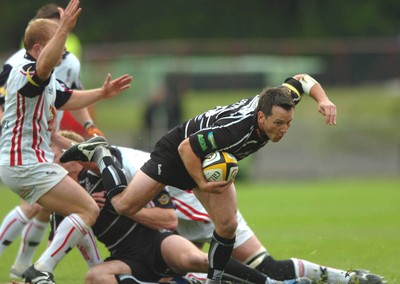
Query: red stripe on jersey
16,140
190,211
36,139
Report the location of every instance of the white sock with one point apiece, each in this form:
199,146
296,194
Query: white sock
31,238
88,248
12,227
314,271
70,231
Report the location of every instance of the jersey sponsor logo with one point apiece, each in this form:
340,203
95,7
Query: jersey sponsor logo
202,142
164,199
29,75
51,173
211,139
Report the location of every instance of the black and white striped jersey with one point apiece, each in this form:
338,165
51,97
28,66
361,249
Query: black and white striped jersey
231,128
228,128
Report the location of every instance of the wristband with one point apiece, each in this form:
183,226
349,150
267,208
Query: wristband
88,124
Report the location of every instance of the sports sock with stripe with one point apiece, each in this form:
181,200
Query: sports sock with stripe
70,231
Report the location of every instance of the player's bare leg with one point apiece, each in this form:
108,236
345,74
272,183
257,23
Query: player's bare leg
222,210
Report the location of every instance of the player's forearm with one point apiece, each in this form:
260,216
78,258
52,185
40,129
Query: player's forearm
311,87
157,218
83,98
192,163
61,141
51,55
82,116
318,93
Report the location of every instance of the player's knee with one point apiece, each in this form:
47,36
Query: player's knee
93,276
30,210
91,214
227,228
195,261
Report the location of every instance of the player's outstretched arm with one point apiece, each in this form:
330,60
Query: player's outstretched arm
111,88
325,106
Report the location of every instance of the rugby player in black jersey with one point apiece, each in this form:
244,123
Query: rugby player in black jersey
241,129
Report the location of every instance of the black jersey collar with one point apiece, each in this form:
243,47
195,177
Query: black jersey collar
29,57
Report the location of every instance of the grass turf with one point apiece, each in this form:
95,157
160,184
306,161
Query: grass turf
340,223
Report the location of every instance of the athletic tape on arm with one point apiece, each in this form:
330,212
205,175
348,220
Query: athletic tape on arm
307,82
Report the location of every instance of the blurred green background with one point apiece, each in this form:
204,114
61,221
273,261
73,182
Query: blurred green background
127,21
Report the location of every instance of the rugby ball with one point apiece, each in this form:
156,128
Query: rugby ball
220,166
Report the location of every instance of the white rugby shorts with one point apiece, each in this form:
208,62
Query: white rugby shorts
32,181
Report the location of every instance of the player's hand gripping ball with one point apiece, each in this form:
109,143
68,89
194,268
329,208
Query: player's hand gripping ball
220,166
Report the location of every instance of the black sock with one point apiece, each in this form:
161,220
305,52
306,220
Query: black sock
277,269
239,271
218,255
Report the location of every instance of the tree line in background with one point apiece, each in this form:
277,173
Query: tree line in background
127,20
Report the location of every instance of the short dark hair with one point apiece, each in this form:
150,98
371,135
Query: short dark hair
278,96
48,11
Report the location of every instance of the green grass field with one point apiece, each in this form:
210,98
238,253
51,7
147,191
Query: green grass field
340,223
